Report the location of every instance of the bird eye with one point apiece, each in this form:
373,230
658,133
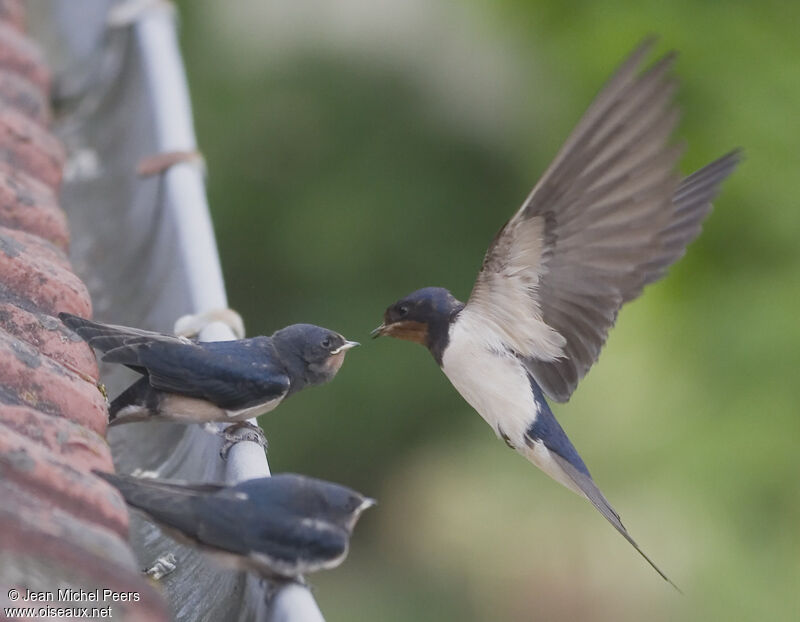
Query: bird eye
326,343
402,310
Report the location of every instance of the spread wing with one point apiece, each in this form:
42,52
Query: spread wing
608,216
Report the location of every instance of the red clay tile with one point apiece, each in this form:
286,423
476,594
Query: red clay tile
28,146
33,269
80,447
12,13
48,335
60,525
36,469
31,379
44,547
48,517
17,242
24,96
29,205
21,55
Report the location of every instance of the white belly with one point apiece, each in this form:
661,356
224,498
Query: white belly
495,385
193,410
498,388
253,411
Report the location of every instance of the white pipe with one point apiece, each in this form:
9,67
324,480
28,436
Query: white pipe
169,94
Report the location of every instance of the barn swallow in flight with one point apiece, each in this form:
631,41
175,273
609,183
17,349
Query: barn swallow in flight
609,216
278,527
192,382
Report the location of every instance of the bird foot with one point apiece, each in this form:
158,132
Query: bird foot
238,432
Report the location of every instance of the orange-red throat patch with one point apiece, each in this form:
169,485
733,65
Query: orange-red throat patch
408,330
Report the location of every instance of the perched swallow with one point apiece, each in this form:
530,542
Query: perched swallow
188,381
278,527
609,216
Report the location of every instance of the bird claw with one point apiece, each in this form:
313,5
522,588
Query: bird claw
238,432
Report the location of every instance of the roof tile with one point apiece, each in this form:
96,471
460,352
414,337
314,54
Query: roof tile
29,205
28,146
31,268
12,12
31,379
60,525
48,335
83,449
42,547
36,469
19,93
21,55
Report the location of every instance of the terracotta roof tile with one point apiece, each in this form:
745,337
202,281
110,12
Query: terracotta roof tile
48,335
22,95
29,147
60,525
78,445
15,242
21,55
31,268
38,470
31,379
29,205
42,547
12,13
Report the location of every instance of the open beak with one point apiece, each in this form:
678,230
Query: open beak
347,345
410,330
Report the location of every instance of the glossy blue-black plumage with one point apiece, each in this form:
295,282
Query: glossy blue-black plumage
231,375
279,526
545,428
435,307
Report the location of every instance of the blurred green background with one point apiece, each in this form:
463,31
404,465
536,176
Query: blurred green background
359,150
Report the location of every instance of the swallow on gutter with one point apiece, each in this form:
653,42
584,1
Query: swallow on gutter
197,382
278,527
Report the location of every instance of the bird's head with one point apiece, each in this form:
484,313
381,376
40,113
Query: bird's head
344,506
319,351
415,316
318,499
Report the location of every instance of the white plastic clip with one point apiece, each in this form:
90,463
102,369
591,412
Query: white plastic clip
192,325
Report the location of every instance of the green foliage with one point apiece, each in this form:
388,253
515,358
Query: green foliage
340,180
